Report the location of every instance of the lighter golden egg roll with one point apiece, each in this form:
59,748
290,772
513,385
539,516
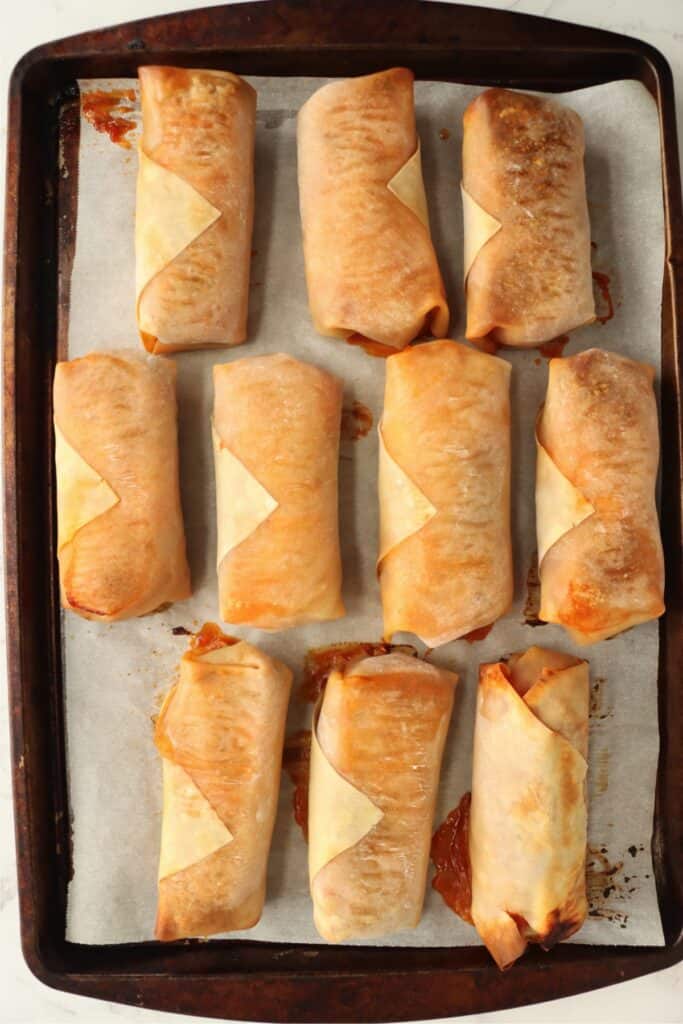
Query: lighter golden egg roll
195,207
601,564
121,543
371,269
276,445
220,734
527,234
376,755
445,558
527,841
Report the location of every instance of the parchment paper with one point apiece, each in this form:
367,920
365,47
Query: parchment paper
116,675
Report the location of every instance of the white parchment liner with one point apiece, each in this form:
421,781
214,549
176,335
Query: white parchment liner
116,674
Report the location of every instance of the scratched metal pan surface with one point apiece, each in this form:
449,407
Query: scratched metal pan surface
246,980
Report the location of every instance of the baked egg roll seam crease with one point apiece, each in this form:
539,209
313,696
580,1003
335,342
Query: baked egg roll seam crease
409,508
408,187
479,227
560,506
355,814
191,828
82,494
242,502
170,215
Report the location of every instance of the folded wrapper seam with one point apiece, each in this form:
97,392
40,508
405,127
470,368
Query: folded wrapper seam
170,215
354,814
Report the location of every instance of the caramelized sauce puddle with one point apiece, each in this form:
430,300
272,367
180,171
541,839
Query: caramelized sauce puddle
296,761
103,109
210,638
320,662
451,857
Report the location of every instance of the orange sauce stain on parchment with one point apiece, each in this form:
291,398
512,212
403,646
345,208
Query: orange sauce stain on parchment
603,282
104,109
554,348
296,761
373,348
475,635
451,857
356,422
320,662
210,638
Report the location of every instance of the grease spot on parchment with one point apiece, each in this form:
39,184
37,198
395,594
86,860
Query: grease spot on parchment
600,708
532,605
601,771
610,885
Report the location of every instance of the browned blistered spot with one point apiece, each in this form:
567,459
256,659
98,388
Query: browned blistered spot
451,857
320,662
296,761
444,134
560,925
103,109
356,422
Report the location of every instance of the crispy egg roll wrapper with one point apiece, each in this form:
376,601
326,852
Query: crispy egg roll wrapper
601,563
527,233
371,268
445,551
195,208
375,762
220,734
276,445
528,815
121,542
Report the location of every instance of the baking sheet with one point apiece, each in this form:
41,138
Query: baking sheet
115,675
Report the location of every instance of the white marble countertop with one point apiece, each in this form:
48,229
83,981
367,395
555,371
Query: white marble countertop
656,999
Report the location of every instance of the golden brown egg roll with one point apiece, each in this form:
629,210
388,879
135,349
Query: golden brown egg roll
195,208
220,734
371,268
527,840
445,557
376,751
121,543
601,564
527,234
276,445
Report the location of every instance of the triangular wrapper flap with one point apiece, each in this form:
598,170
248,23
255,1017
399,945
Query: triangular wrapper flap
479,227
560,699
169,215
82,494
354,814
191,830
526,667
242,503
220,656
404,509
408,186
560,506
